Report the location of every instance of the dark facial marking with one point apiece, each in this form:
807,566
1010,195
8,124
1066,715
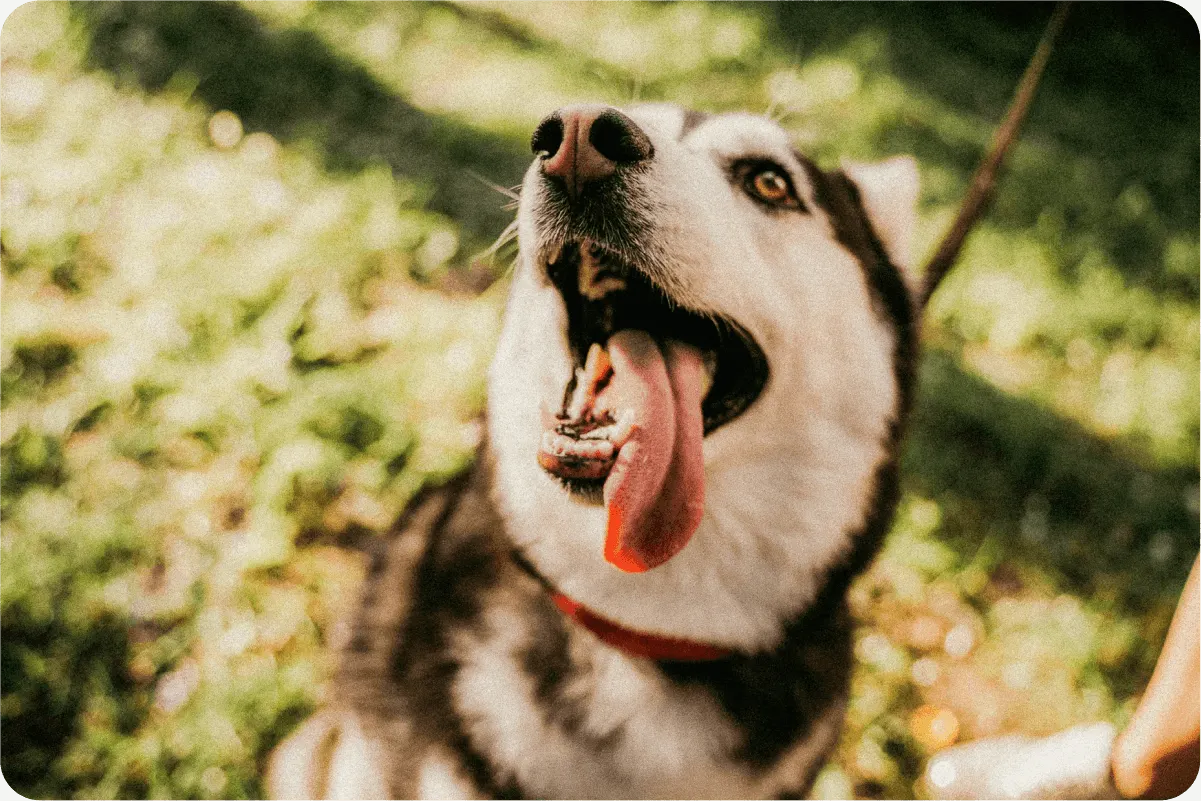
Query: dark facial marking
692,119
839,198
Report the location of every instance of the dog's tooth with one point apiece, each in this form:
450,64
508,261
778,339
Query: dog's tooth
596,366
620,431
559,444
579,398
593,449
590,362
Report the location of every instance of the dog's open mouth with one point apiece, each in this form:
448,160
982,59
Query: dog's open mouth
651,380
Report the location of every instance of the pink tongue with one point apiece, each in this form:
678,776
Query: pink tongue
655,493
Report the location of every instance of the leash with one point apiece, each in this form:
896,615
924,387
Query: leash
981,191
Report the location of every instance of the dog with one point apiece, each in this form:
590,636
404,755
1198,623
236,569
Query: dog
694,416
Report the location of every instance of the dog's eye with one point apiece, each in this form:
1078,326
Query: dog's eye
768,183
771,186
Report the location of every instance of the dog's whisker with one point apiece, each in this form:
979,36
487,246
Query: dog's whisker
509,234
509,193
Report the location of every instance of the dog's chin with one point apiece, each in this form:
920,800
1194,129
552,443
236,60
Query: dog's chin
588,491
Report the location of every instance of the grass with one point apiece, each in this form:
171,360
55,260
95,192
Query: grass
243,322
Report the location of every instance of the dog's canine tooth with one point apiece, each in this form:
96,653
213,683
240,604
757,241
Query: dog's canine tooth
579,398
595,370
597,365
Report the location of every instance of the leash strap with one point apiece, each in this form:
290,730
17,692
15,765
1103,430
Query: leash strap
984,181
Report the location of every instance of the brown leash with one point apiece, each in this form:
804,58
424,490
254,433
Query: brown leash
984,181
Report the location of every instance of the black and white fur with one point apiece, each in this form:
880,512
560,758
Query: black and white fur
463,680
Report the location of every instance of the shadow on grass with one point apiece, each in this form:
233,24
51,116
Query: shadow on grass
1020,484
1120,95
51,668
290,84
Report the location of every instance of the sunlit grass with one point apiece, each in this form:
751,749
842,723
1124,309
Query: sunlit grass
227,353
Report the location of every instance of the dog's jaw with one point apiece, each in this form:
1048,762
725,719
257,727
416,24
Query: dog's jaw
787,483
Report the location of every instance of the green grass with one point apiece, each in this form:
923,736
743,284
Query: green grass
235,344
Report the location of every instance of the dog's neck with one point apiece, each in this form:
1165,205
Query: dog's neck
630,641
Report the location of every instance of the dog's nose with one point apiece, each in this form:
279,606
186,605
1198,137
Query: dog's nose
582,144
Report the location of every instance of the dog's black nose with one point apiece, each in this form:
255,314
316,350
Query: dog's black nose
581,144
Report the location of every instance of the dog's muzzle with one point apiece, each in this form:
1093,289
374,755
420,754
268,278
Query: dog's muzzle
651,377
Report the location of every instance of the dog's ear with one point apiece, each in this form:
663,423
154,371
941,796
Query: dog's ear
889,192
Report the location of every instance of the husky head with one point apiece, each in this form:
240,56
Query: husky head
704,368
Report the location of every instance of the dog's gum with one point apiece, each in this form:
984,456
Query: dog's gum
568,457
557,444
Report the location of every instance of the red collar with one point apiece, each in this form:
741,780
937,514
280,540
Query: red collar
637,643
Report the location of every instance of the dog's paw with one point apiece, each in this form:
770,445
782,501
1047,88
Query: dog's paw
329,756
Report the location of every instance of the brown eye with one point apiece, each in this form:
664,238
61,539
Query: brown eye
771,186
766,182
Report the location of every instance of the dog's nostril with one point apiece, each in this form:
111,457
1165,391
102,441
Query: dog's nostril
547,136
618,138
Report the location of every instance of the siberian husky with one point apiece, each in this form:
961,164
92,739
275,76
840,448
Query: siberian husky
693,423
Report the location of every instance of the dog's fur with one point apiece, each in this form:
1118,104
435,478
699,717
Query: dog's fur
463,679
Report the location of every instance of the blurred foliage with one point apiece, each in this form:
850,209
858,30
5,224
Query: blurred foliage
242,326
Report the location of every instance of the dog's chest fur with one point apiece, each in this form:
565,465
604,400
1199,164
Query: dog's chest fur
492,692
